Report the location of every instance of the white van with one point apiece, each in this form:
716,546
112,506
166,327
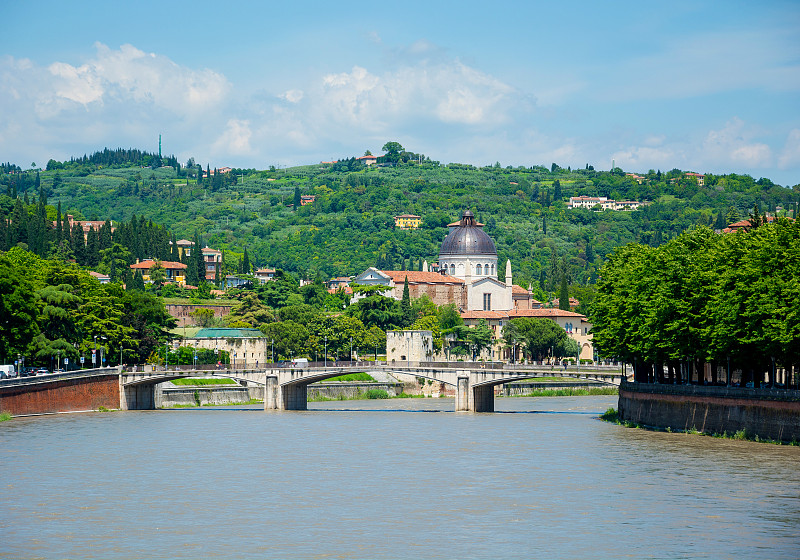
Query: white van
300,363
7,372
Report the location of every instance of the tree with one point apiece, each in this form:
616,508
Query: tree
202,317
245,263
405,305
393,151
297,198
536,336
18,322
563,296
158,275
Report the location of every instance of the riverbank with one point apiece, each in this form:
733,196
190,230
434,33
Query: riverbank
765,414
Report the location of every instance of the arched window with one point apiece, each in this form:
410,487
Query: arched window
479,270
452,270
492,270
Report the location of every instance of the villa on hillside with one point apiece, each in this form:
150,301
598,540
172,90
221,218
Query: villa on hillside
407,221
602,203
175,271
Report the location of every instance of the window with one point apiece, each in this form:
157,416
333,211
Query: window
487,302
480,270
452,270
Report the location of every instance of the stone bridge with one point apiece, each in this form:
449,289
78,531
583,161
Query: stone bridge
286,388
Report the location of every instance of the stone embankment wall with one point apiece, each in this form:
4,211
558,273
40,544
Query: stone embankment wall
767,413
182,311
67,395
518,388
349,390
168,395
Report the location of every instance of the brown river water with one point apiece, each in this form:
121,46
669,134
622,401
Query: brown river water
541,478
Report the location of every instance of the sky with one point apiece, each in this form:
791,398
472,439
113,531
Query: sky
705,86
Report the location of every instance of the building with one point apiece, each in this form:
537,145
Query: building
248,348
264,275
86,225
212,259
701,179
413,346
102,278
407,221
574,324
468,278
307,199
368,160
440,288
175,271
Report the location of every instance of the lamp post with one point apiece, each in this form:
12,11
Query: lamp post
166,355
351,350
58,359
326,351
94,354
272,342
120,355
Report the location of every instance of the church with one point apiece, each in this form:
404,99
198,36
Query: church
466,275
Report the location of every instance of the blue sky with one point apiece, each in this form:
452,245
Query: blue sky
707,86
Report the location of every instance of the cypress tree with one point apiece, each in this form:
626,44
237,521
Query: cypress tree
245,262
59,231
405,305
297,199
563,298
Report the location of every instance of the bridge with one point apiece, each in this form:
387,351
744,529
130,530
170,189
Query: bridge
286,388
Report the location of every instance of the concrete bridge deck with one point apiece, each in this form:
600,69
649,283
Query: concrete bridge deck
286,388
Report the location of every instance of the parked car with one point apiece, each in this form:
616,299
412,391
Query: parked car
7,372
42,371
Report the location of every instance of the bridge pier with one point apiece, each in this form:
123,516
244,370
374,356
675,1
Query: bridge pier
462,392
137,397
272,391
294,397
483,398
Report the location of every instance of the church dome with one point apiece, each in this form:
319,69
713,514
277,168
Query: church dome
468,238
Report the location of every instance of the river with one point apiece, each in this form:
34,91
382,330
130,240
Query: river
405,478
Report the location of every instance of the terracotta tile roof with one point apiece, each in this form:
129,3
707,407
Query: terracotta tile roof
146,264
519,290
484,315
417,277
548,312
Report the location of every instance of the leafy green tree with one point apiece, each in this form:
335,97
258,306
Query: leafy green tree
392,152
251,310
380,311
203,317
158,274
17,309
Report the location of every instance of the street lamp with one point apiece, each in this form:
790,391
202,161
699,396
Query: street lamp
166,355
326,351
272,342
351,350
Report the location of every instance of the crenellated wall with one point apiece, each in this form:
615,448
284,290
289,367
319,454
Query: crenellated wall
767,413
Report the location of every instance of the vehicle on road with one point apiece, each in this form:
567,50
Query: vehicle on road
7,372
300,363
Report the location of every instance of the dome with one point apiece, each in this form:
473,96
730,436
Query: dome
468,239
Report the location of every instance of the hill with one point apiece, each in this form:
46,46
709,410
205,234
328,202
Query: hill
350,224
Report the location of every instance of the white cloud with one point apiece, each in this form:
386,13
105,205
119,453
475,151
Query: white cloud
234,140
790,155
293,95
734,145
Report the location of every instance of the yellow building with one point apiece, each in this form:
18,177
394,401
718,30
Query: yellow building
407,221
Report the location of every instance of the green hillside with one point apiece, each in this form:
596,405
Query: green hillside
350,224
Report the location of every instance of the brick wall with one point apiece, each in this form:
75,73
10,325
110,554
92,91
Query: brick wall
768,413
65,395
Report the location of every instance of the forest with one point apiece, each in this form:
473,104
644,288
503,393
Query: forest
350,224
